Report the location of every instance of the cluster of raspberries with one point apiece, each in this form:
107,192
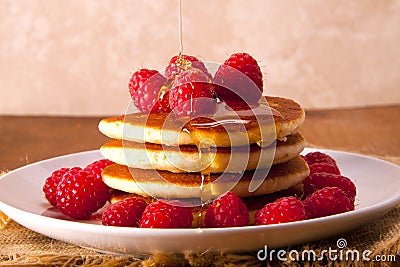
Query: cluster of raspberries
188,89
326,192
78,193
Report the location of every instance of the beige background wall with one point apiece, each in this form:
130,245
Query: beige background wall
75,57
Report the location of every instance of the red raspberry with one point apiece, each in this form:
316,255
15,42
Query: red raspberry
80,194
227,211
285,209
127,212
232,85
97,167
191,94
327,201
318,157
181,63
144,87
324,167
160,214
320,180
51,183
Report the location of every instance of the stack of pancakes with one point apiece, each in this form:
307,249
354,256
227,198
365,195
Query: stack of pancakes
157,159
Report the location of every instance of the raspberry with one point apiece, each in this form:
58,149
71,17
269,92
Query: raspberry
318,181
318,157
232,85
144,87
51,183
227,211
181,63
80,194
324,167
191,94
97,167
127,212
160,214
285,209
327,201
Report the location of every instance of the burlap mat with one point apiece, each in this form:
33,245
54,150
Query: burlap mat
20,246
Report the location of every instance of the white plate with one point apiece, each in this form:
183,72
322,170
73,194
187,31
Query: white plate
21,198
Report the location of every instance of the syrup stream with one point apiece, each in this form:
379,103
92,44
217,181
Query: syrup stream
180,28
204,148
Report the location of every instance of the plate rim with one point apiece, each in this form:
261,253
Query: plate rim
84,225
393,199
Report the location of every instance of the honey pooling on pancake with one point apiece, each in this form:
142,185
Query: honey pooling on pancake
256,124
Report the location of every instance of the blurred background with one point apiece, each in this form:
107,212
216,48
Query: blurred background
76,57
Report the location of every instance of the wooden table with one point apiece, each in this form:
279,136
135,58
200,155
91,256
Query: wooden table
28,139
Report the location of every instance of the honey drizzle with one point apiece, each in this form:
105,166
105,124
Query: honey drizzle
206,156
223,118
202,147
180,28
230,119
181,63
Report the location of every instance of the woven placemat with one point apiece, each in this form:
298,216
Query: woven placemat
379,239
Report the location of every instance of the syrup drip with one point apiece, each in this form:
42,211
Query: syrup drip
206,156
231,121
180,28
181,63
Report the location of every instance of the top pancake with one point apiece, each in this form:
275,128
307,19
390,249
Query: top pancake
241,129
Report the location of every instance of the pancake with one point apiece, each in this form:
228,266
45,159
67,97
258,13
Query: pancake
253,204
288,116
185,158
166,184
